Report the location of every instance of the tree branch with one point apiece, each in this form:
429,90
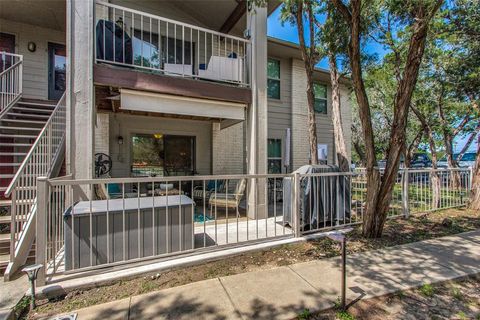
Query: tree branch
343,9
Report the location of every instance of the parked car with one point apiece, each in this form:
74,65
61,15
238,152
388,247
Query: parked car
467,160
420,160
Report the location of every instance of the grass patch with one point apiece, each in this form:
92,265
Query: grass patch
344,315
427,290
304,315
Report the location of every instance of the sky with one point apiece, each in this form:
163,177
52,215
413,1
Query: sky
288,32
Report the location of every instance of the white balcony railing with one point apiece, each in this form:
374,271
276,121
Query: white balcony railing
11,66
145,41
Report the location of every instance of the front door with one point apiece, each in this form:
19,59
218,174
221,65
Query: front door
56,70
7,44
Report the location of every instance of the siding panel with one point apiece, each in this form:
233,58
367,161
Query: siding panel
35,71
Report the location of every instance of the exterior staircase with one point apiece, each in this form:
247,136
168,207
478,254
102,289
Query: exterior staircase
20,126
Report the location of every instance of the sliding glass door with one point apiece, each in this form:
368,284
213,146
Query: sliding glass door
162,155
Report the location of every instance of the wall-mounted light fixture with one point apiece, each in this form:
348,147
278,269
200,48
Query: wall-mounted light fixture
32,46
120,140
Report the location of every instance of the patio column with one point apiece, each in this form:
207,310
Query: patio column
80,98
257,112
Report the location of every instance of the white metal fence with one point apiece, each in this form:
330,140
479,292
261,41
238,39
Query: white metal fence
89,224
11,70
141,40
38,162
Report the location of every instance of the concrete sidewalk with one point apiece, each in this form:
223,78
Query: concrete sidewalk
282,293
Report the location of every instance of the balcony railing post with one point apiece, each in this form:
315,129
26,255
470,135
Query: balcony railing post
41,228
20,76
405,187
296,207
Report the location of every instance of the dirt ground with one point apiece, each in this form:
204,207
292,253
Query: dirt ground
449,300
398,231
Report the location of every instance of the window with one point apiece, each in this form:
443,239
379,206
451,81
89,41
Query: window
320,91
273,79
162,155
274,155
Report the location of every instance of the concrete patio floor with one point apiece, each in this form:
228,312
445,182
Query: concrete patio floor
284,292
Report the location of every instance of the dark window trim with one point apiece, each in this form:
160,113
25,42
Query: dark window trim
322,98
276,79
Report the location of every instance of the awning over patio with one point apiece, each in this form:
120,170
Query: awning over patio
134,100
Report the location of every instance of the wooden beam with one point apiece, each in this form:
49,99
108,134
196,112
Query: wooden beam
119,77
236,14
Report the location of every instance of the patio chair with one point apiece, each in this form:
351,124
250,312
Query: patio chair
111,191
229,200
211,186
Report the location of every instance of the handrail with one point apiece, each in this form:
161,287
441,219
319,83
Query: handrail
39,162
10,80
11,67
33,149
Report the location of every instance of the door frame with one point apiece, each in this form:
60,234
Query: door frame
52,95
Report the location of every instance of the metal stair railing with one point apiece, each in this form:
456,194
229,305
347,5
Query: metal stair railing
40,161
11,70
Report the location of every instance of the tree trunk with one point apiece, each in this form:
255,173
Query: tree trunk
469,142
451,161
308,56
312,123
413,147
434,177
475,195
379,190
340,146
358,149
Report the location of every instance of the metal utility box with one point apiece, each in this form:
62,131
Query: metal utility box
107,231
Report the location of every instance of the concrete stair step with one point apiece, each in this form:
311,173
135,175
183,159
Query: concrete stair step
13,154
29,121
5,203
16,144
36,104
9,165
6,175
5,219
33,110
28,115
17,136
20,128
4,260
4,237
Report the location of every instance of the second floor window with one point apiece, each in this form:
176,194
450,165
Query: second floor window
273,79
320,98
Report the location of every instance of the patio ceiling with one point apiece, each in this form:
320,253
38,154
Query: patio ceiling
227,16
49,14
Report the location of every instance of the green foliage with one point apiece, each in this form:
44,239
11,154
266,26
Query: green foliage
449,78
427,290
305,314
344,315
457,293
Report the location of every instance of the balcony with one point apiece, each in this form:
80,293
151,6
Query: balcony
145,42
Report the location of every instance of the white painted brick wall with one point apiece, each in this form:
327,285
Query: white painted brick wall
228,150
102,130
